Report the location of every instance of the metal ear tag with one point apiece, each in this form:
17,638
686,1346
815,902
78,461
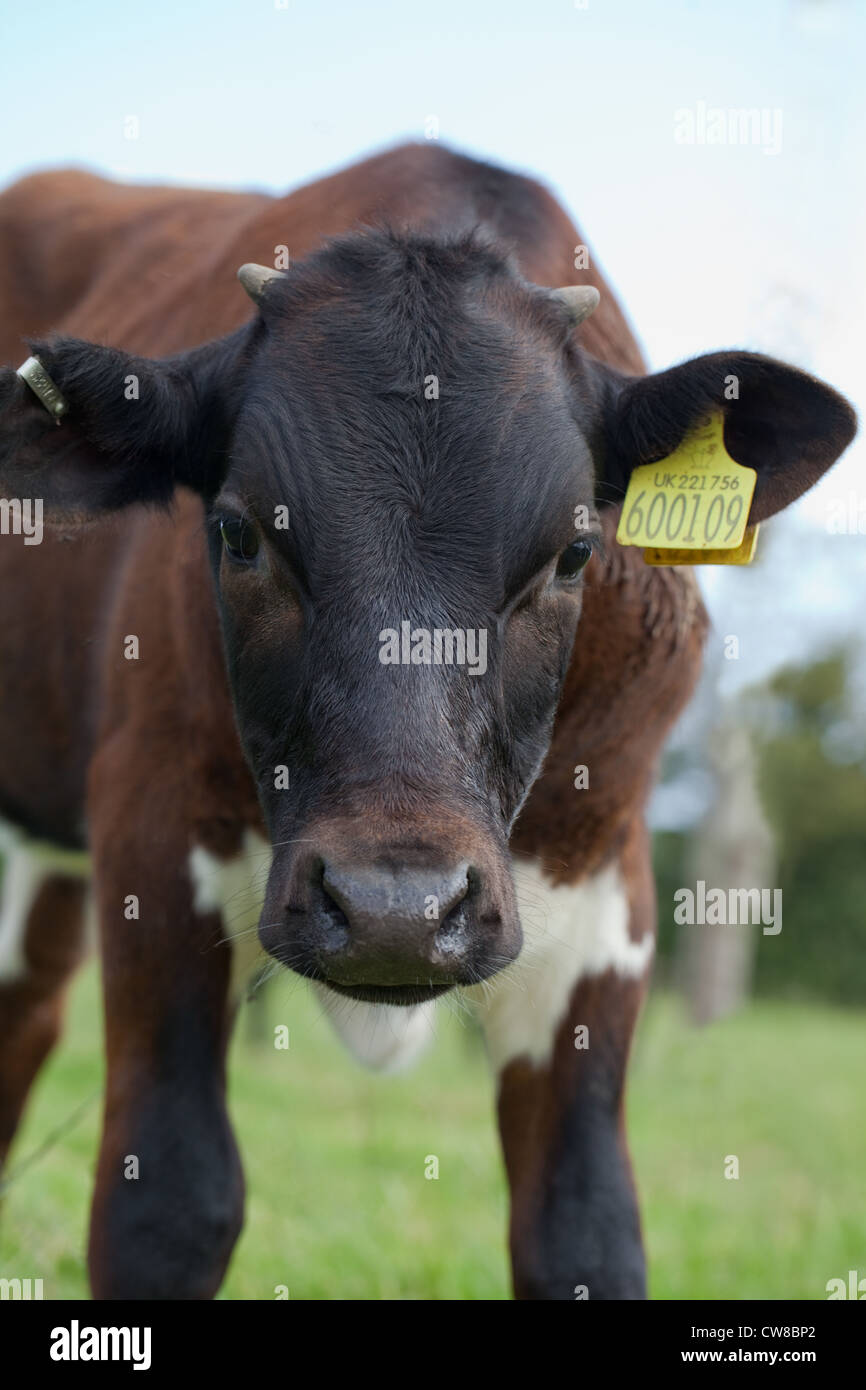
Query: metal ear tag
40,383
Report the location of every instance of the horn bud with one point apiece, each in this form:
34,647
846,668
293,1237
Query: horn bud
256,278
579,300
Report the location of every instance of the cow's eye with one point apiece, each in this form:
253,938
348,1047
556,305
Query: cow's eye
239,538
573,559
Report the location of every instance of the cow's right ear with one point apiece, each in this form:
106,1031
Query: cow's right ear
132,429
786,425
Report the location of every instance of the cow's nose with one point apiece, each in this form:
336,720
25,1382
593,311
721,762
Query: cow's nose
389,925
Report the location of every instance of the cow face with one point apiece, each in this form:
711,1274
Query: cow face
399,575
402,459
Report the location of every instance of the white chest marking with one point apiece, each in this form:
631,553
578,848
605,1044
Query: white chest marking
27,865
234,888
569,932
380,1036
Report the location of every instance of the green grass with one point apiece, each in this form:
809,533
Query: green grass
338,1205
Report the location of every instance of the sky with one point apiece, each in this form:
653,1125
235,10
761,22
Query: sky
758,244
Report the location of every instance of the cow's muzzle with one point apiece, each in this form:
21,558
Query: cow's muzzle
399,928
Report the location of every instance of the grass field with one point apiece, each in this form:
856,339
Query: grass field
338,1205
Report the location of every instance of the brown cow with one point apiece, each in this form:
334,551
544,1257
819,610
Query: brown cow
207,690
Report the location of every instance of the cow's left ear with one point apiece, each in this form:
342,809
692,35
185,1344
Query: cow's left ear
103,429
782,422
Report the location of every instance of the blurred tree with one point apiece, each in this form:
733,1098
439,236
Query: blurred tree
732,848
813,783
807,727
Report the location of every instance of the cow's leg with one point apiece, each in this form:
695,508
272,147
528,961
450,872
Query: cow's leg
168,1205
41,931
559,1025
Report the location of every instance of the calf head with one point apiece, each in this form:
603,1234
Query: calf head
403,458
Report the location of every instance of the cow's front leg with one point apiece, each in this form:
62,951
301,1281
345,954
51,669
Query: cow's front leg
168,1205
559,1025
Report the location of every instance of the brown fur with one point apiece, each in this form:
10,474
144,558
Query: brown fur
87,736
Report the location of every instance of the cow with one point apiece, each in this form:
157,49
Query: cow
411,423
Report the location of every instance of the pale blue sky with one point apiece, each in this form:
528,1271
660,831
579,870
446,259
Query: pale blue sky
708,246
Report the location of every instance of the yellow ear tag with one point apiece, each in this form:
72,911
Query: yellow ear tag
696,501
742,555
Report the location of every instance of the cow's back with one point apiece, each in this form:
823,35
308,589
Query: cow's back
152,269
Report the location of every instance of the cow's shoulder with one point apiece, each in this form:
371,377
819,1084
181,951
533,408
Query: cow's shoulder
116,262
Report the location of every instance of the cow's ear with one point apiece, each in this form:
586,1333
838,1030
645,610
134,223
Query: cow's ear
131,431
782,422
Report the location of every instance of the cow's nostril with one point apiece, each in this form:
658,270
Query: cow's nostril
338,895
458,892
330,905
330,913
335,914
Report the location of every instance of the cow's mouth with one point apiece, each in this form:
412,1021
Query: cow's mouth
400,995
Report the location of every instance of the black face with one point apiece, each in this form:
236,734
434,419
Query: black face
399,574
394,455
